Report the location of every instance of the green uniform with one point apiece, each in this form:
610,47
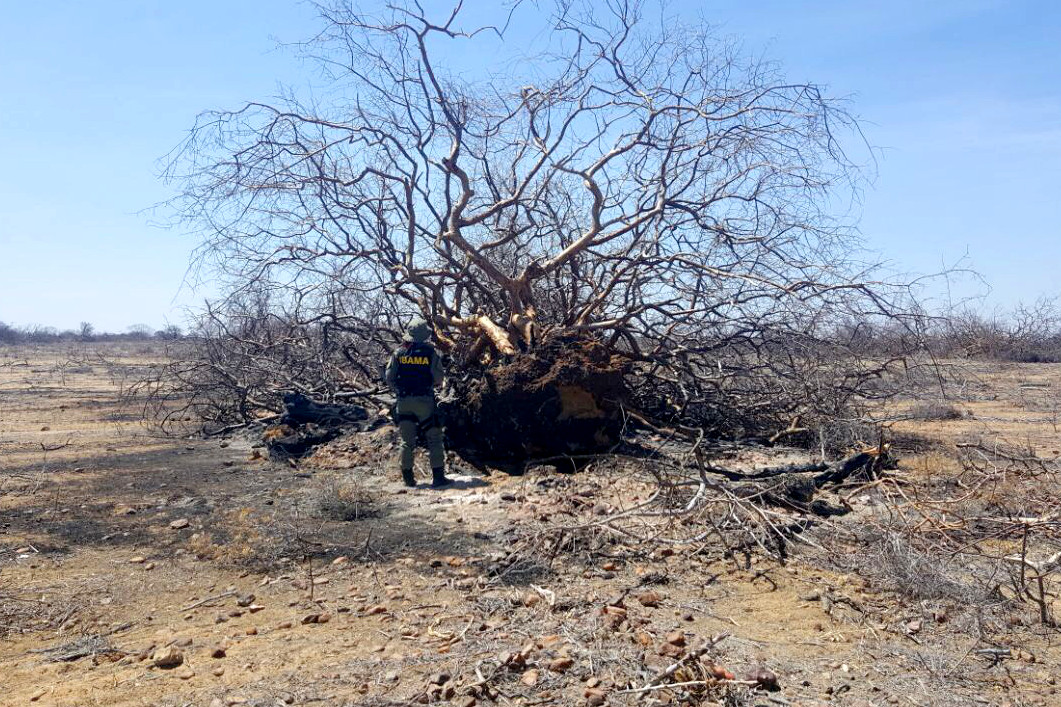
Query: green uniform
413,372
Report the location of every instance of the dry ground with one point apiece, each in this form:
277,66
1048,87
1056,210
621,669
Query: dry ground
326,583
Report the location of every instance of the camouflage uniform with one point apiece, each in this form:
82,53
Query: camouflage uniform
413,372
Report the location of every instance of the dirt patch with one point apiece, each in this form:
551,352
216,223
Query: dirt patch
560,402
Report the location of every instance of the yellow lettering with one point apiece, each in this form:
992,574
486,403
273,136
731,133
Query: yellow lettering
414,360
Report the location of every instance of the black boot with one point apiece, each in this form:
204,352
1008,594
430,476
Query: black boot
438,478
407,478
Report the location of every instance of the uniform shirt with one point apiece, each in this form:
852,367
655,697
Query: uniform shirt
437,372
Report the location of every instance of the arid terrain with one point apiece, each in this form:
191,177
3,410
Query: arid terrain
140,569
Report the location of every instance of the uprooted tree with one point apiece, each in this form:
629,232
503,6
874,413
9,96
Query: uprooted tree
633,224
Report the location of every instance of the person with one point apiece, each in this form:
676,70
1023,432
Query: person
413,373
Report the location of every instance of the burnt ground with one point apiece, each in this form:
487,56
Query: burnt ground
116,544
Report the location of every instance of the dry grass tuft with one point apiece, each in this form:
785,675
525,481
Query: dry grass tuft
343,500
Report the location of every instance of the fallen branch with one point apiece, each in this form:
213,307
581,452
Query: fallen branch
207,600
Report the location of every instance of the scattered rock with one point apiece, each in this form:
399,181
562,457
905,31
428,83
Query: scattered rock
561,664
440,678
595,697
670,650
649,599
167,658
218,652
219,671
179,524
37,695
252,631
764,679
914,626
185,673
676,638
310,619
138,560
245,600
530,678
284,624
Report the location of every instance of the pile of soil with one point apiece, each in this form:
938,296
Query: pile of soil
553,405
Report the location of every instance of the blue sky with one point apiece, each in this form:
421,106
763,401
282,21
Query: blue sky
962,98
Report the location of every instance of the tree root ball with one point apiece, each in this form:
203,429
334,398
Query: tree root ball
557,404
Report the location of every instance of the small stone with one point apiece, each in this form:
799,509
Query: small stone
138,560
649,599
252,631
149,566
468,701
764,679
324,618
218,652
595,697
179,524
914,626
670,650
37,695
530,678
245,600
676,638
219,671
341,560
310,619
167,658
561,664
284,624
183,642
185,673
255,608
439,678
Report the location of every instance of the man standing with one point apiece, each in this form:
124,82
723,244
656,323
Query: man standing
413,372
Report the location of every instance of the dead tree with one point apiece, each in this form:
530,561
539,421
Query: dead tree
639,185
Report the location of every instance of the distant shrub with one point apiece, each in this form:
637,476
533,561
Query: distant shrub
936,411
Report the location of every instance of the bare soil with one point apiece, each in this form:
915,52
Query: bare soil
324,582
